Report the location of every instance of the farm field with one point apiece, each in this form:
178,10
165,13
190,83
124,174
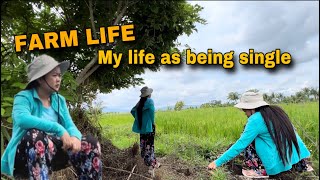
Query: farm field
196,136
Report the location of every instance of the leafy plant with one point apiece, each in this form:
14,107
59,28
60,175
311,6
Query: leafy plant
12,81
179,105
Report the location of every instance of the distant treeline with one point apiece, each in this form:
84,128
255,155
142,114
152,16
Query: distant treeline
306,94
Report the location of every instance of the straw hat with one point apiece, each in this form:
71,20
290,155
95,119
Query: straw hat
145,91
42,65
251,100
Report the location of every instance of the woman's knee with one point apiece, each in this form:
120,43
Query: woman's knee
34,143
90,143
34,135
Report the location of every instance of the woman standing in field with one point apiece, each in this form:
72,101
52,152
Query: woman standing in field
265,140
144,124
44,137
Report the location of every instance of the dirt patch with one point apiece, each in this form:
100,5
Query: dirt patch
117,163
175,169
171,167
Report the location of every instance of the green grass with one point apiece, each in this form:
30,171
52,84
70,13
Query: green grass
194,134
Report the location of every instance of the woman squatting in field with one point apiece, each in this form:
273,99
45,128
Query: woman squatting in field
44,137
270,143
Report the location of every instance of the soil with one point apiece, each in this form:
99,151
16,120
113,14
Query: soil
117,165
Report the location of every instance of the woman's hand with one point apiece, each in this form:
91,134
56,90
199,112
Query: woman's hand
76,144
66,140
212,166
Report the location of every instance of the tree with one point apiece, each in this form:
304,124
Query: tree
267,98
12,76
300,96
294,99
179,105
233,96
306,91
253,90
157,26
279,97
315,93
212,103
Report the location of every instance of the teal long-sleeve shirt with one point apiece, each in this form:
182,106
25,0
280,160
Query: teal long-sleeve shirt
148,111
26,114
266,149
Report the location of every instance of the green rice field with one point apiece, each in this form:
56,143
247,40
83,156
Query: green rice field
196,134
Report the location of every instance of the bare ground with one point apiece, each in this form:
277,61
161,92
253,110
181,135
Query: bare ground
119,164
127,164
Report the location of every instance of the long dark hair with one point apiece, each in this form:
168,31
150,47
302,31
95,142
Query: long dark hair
283,133
139,109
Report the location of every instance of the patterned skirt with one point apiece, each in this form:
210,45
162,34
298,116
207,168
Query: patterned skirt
253,162
147,148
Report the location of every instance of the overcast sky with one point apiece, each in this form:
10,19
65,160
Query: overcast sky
265,26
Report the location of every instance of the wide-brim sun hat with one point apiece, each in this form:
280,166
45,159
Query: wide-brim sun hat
42,65
145,91
251,100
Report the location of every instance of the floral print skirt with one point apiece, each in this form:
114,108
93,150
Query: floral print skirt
38,154
147,148
253,162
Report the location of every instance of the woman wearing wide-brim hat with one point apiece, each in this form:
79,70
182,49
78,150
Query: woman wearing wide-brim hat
44,137
265,140
144,124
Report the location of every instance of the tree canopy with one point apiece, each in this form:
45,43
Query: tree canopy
157,27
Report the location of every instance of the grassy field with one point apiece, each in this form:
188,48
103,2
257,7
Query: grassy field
195,135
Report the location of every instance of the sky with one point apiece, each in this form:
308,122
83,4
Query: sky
239,26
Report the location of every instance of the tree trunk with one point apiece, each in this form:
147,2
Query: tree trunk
90,68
